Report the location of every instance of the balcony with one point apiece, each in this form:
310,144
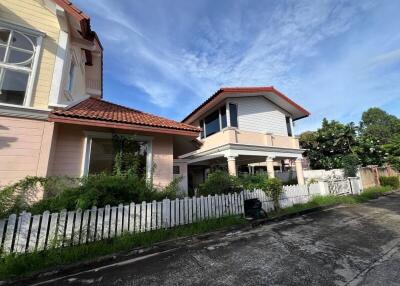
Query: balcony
93,86
236,136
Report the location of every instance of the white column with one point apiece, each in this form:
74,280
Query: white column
270,167
299,172
232,165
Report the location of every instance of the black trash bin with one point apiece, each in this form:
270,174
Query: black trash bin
253,208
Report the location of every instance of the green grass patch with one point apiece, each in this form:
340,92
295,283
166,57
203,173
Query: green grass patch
322,201
18,265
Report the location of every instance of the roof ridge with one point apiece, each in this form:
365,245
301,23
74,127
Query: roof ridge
244,89
142,112
83,109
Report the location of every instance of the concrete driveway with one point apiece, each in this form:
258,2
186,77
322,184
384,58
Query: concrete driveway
352,245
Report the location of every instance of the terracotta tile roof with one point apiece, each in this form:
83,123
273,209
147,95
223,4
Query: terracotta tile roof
225,90
100,110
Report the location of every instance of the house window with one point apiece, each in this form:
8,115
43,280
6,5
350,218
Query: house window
289,126
101,154
212,123
17,56
202,129
223,117
233,114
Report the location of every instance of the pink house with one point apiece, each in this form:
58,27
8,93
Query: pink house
52,119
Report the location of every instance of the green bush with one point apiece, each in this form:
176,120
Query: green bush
100,190
273,188
253,182
391,181
350,165
219,182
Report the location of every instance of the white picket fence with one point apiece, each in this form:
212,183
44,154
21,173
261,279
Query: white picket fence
290,196
28,233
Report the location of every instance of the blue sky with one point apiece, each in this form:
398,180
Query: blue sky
335,58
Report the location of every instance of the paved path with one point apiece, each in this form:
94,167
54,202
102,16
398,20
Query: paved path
352,245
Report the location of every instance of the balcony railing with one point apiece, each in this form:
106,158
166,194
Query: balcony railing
235,136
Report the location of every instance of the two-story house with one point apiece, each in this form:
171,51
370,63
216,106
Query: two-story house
242,129
53,121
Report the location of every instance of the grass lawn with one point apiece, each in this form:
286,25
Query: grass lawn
321,201
19,265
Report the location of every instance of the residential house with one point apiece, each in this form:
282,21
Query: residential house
243,129
53,120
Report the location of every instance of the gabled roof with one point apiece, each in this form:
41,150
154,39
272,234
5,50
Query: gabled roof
268,91
97,112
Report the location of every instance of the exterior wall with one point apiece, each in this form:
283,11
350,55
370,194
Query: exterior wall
25,148
32,14
69,153
257,114
163,158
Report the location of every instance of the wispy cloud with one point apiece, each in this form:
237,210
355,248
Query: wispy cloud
334,57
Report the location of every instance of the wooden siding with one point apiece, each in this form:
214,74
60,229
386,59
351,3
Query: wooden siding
20,148
257,114
32,14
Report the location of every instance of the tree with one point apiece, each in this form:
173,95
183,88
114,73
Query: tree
350,165
327,146
370,151
377,124
393,152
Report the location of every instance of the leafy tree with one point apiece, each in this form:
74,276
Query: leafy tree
350,165
393,152
379,125
370,151
327,146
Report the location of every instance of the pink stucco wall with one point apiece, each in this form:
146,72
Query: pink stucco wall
69,152
25,148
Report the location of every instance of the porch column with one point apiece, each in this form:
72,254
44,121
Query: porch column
299,172
270,167
232,165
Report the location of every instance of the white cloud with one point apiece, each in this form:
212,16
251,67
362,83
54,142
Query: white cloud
323,54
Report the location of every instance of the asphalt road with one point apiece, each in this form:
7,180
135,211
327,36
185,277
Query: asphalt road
352,245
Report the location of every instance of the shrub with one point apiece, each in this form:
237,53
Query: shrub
350,165
273,188
391,181
102,189
253,182
219,182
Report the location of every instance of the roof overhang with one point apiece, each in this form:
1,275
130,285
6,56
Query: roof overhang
269,93
122,126
234,149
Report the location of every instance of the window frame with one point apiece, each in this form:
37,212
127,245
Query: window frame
87,148
230,115
202,121
32,72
